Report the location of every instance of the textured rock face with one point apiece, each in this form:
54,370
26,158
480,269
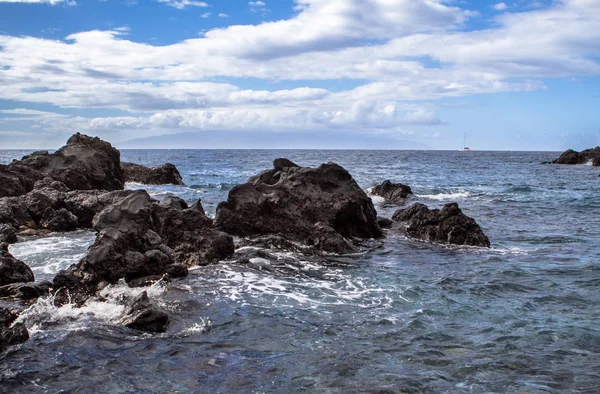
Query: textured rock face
189,232
392,192
11,335
84,163
321,207
125,247
51,207
7,234
142,315
12,270
161,175
17,179
585,156
446,226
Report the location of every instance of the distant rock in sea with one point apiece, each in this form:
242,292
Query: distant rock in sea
161,175
448,225
584,157
392,192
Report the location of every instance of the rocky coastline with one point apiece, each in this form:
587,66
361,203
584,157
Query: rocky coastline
314,211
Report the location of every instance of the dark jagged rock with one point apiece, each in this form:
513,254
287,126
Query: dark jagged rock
142,315
175,202
446,226
25,291
281,163
392,192
7,233
585,156
84,163
384,222
314,206
12,270
126,247
11,335
17,179
161,175
190,234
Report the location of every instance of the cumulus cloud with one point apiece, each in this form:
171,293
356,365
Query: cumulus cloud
500,6
381,49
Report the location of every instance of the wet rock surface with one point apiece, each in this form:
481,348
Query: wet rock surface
445,226
11,334
322,207
396,193
142,315
161,175
12,270
584,157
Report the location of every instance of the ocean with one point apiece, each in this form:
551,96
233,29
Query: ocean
408,316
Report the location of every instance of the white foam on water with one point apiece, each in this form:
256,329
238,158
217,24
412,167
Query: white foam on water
447,196
377,200
108,308
197,328
50,254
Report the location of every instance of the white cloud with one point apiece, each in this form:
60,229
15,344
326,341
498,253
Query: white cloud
206,15
395,58
223,15
500,6
182,4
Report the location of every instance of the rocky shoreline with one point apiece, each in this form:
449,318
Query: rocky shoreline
313,211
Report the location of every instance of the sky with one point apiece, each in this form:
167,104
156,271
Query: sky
373,74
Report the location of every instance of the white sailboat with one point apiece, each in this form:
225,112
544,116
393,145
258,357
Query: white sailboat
465,147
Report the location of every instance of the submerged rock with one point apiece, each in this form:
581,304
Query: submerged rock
161,175
585,156
446,226
142,315
12,270
11,334
322,207
392,192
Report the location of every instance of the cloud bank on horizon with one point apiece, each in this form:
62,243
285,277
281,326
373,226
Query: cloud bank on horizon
517,74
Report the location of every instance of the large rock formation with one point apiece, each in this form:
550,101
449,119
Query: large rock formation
161,175
85,163
50,206
585,156
139,237
12,270
446,226
321,207
392,192
190,233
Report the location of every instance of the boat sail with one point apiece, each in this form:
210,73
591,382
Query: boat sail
465,147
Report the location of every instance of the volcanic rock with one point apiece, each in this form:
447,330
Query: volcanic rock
392,192
12,270
314,206
142,315
189,233
7,234
585,156
161,175
11,335
446,226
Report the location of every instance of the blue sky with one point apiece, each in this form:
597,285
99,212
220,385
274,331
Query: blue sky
391,74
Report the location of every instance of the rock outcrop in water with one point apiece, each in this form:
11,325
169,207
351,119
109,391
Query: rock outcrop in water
320,207
50,206
139,237
12,270
142,315
446,226
11,334
392,192
84,163
161,175
585,156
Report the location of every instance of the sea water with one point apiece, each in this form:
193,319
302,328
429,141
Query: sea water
408,316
